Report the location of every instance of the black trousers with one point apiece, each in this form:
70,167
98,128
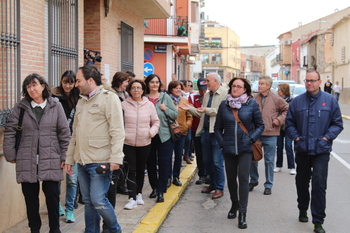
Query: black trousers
135,158
238,166
314,168
31,196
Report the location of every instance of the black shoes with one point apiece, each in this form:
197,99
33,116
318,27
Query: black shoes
201,180
318,228
242,224
160,197
303,216
233,211
252,185
267,191
153,193
176,181
169,183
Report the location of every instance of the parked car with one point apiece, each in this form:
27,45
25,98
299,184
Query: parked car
255,86
275,83
298,89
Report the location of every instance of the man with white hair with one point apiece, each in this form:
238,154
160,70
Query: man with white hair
212,156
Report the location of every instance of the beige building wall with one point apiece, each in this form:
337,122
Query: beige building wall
229,50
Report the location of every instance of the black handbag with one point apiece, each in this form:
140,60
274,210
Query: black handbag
19,129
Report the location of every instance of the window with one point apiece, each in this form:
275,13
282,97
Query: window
204,58
63,38
10,79
216,58
216,40
127,47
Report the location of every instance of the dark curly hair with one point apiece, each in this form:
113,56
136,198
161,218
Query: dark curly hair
247,86
128,88
30,79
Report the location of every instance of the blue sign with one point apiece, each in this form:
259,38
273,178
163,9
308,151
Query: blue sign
148,69
148,55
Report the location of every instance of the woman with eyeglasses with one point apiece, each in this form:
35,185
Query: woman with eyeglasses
68,95
158,163
141,125
236,146
283,140
41,153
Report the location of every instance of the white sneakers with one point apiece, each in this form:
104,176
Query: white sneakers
139,200
277,169
293,171
131,204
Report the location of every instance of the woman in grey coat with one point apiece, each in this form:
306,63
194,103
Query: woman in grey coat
42,149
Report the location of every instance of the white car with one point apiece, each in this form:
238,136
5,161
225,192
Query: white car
298,89
275,83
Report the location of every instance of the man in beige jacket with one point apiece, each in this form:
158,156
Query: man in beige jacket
97,143
212,156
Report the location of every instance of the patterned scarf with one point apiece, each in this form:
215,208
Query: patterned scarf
176,99
236,102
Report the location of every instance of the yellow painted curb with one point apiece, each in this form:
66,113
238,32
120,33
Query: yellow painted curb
154,219
346,117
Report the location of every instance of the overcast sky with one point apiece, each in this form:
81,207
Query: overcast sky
262,21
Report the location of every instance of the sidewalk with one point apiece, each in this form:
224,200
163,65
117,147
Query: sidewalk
345,111
144,218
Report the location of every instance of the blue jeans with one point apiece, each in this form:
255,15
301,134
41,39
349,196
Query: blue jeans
188,144
178,149
337,95
71,189
269,146
202,171
94,188
284,140
213,160
314,168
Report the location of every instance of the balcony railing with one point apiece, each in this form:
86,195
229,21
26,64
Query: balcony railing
167,27
212,45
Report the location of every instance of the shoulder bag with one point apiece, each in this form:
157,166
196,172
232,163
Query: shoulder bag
174,127
257,145
19,129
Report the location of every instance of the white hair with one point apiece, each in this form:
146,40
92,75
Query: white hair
216,76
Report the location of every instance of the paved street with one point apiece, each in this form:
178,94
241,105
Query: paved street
196,212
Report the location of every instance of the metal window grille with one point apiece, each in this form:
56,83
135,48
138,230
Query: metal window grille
127,47
63,38
10,80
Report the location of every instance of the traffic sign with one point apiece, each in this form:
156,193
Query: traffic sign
148,55
148,69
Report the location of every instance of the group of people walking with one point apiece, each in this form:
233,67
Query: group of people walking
94,132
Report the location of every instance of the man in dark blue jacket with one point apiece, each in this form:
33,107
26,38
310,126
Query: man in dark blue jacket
313,122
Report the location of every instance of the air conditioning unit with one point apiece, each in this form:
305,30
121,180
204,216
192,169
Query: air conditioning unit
287,42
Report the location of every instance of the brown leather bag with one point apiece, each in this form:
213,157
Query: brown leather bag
257,145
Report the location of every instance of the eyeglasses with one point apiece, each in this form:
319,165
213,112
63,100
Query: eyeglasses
32,86
190,85
236,86
310,80
136,88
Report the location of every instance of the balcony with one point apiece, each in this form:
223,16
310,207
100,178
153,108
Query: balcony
212,45
151,8
174,27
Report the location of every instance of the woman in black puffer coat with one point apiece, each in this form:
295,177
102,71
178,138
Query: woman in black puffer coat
236,145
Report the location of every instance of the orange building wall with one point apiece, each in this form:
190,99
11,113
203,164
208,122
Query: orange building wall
159,62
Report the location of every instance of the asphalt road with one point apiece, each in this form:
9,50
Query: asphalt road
277,213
